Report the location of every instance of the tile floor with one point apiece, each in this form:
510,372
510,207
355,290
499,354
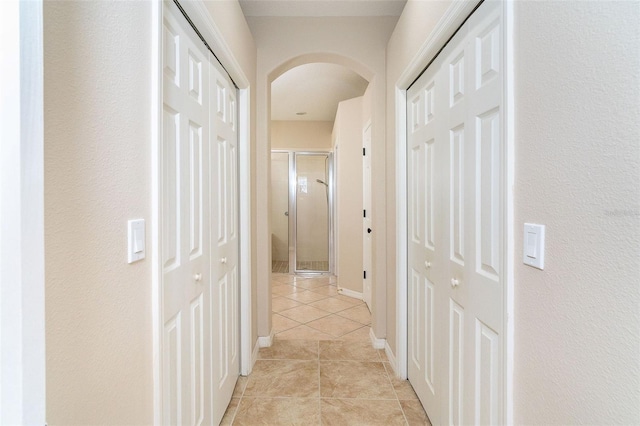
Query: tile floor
321,368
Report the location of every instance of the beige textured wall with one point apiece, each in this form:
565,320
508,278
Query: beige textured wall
577,323
97,157
358,43
97,65
348,138
578,172
301,135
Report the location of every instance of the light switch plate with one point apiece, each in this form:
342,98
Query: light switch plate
136,240
533,250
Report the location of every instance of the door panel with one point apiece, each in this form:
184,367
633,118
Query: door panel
184,230
199,236
224,265
456,226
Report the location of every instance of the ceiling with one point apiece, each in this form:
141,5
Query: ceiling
316,89
318,8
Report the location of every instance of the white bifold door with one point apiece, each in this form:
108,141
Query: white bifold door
199,233
456,227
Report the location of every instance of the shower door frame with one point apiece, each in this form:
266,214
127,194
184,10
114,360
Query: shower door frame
293,213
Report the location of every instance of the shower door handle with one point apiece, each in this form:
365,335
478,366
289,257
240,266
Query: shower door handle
286,213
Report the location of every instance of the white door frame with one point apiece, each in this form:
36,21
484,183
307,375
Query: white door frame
199,14
22,289
452,19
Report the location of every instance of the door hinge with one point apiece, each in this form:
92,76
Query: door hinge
364,212
364,151
365,275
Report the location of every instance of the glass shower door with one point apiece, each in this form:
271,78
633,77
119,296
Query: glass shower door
312,201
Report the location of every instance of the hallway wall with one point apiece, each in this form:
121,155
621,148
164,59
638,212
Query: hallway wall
301,135
360,41
577,323
97,106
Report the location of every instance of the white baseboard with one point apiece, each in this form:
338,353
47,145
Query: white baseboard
377,343
254,354
350,293
391,357
266,341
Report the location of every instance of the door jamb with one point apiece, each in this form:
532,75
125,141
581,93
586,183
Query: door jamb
445,28
200,16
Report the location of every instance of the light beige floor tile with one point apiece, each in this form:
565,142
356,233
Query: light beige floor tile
358,313
354,379
278,411
313,283
304,313
282,290
341,350
331,304
279,304
281,323
283,378
327,290
305,296
290,349
334,325
360,334
404,390
351,300
227,419
303,332
414,413
286,278
360,412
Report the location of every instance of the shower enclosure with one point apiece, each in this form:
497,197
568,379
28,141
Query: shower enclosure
301,206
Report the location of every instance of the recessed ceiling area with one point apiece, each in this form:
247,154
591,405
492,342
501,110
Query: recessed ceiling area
314,89
321,8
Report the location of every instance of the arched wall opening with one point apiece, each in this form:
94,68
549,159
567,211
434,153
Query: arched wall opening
377,123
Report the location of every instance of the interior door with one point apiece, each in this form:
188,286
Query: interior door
457,159
185,229
224,266
367,253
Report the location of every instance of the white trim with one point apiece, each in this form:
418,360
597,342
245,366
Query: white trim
266,341
392,359
254,355
350,293
509,117
375,342
22,278
401,233
156,267
451,20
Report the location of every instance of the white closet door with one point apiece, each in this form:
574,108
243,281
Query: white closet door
224,266
185,233
456,278
425,156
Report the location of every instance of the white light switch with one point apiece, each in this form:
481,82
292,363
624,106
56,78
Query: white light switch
136,246
533,251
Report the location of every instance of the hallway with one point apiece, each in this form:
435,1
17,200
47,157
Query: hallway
321,368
